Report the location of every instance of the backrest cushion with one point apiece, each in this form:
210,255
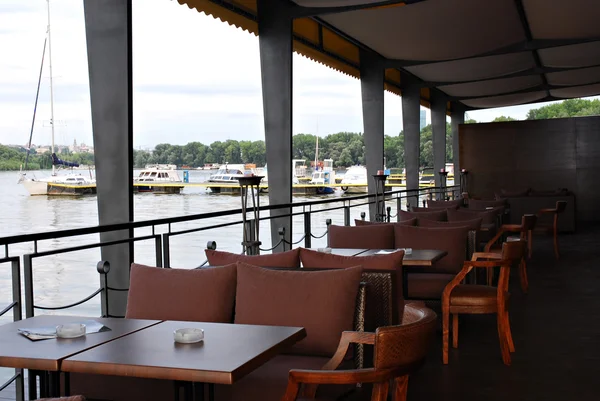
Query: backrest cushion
445,204
487,216
391,261
289,259
473,225
428,209
435,214
199,295
376,236
452,240
409,222
323,302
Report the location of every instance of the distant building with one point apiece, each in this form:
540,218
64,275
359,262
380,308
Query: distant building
423,119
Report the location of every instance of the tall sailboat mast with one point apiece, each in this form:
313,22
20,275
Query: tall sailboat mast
51,87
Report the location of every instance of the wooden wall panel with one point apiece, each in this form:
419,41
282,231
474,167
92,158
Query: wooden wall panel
540,154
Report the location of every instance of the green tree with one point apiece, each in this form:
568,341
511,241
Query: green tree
503,119
567,108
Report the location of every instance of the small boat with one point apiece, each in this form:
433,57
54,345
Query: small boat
353,176
157,174
229,174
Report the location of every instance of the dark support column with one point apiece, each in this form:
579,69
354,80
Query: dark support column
412,134
108,36
275,42
438,126
372,72
458,117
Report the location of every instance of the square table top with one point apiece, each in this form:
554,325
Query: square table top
347,251
227,353
17,351
418,257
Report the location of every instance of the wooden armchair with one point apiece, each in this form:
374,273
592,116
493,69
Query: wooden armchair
477,299
551,228
528,222
398,352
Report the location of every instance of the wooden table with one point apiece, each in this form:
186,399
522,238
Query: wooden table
418,257
347,251
228,353
17,351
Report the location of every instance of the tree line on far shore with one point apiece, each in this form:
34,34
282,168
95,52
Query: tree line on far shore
345,148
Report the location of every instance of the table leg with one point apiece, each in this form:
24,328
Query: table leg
53,384
67,377
32,383
187,387
211,392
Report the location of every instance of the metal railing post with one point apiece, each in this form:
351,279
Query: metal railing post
327,224
158,251
389,214
16,289
28,275
103,267
347,215
363,215
166,251
398,207
281,232
307,230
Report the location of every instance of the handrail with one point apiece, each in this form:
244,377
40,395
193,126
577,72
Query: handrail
15,239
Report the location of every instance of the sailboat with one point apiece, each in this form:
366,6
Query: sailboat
34,185
323,174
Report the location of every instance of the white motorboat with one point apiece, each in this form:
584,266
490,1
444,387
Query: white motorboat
229,174
356,177
156,174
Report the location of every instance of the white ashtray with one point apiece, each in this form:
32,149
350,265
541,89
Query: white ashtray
324,250
188,336
70,330
407,251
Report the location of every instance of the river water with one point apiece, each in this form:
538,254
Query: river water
66,278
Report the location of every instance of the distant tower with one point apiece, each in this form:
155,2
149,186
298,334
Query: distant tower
423,119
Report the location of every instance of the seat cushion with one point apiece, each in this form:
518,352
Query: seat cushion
473,295
427,285
472,225
409,222
268,383
201,295
445,204
376,236
452,240
323,302
289,259
435,214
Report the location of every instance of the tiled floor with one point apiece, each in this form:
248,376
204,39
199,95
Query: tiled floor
556,329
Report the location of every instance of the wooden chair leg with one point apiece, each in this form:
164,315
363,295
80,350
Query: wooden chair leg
503,341
556,253
508,331
455,330
445,333
380,391
401,390
490,275
529,243
523,275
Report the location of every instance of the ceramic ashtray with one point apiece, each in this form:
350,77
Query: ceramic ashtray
188,335
407,251
70,330
324,250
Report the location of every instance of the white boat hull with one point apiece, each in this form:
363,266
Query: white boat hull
36,187
355,190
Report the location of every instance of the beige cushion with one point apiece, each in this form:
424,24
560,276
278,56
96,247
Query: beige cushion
201,295
322,302
289,259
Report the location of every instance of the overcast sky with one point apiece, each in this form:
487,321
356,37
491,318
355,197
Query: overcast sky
195,79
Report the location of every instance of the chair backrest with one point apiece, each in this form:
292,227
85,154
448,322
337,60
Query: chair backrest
528,222
561,206
512,251
405,345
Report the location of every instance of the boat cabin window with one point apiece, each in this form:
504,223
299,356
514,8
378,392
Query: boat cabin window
153,174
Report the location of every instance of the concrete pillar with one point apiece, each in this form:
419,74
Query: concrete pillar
411,96
275,42
457,117
108,37
372,74
438,126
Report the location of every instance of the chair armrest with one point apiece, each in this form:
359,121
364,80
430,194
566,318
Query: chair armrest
485,255
348,337
511,227
543,211
315,377
455,281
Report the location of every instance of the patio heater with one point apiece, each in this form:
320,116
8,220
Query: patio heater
249,188
443,181
380,178
464,188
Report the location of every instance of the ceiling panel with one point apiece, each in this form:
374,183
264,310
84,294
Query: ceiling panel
582,55
575,77
334,3
563,19
434,29
491,87
578,91
474,69
505,100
